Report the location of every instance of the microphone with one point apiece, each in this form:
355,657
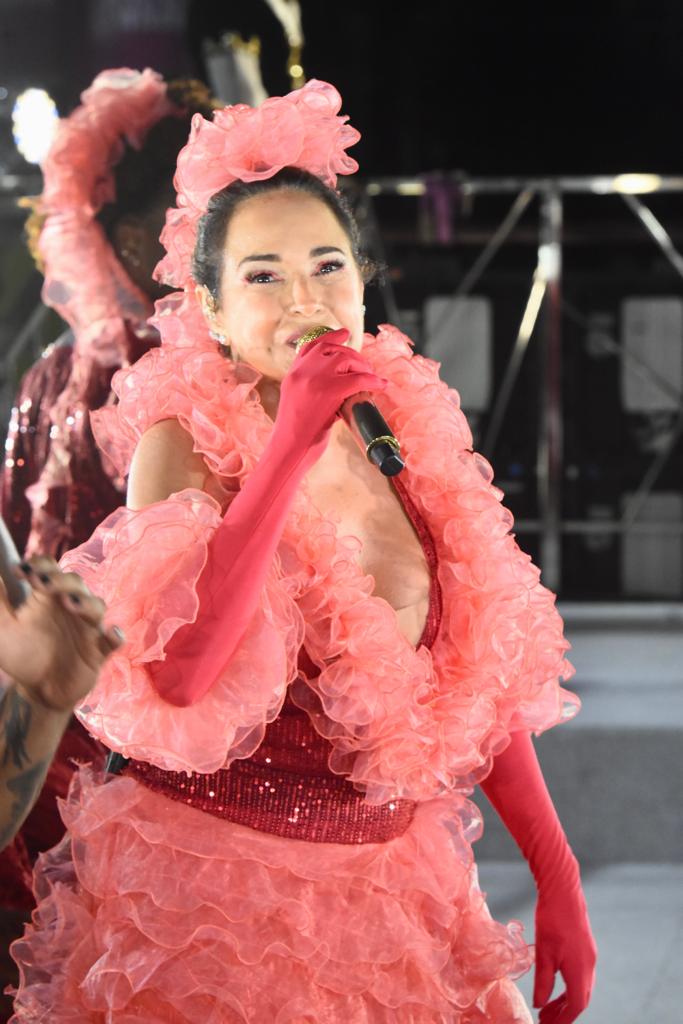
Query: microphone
365,421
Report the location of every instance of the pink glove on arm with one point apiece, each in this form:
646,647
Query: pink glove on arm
564,941
241,552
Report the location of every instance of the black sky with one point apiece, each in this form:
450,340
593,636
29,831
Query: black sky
489,88
492,88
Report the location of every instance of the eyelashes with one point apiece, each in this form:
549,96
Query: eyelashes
266,276
330,266
258,277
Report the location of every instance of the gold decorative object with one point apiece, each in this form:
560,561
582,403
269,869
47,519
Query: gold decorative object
311,335
295,67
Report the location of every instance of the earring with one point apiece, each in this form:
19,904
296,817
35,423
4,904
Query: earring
223,342
362,309
210,311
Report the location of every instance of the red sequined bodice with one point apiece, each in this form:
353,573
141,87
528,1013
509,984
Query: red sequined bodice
286,787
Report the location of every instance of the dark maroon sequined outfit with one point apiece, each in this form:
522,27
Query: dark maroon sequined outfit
70,513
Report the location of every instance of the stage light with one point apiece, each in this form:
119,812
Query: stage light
636,184
411,188
34,119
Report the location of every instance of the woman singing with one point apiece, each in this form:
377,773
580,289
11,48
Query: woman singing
320,663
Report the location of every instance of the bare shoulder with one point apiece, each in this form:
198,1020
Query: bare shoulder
165,462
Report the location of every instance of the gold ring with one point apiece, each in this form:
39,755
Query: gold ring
384,439
311,335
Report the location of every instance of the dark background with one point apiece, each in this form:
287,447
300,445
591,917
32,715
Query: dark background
519,88
529,89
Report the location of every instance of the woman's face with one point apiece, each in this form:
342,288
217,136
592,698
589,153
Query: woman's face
287,267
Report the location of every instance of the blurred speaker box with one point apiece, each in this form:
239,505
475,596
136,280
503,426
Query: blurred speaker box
652,563
458,333
651,331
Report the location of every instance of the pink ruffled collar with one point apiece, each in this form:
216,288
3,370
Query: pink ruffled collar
402,722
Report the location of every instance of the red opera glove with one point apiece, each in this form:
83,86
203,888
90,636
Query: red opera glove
241,552
564,941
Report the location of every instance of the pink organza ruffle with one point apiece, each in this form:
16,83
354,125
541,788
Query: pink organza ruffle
241,143
500,653
403,722
158,917
145,565
84,281
189,380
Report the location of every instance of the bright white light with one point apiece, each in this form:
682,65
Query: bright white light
411,188
532,308
549,261
636,184
34,119
403,188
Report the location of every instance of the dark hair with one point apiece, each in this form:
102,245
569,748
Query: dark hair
143,177
213,226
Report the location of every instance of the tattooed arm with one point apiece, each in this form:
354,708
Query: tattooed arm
29,736
51,648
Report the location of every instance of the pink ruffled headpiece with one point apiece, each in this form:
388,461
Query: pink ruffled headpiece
302,129
84,280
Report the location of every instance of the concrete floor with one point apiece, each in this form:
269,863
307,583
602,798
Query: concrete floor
636,914
617,772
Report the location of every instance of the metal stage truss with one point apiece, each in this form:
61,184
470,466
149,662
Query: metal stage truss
545,305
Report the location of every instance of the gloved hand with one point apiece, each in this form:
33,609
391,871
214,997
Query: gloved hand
241,552
323,375
564,941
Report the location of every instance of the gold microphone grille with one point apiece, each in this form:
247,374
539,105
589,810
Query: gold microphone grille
311,335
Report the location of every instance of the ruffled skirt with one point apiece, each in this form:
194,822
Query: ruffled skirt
153,911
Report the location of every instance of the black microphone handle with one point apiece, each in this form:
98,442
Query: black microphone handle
373,433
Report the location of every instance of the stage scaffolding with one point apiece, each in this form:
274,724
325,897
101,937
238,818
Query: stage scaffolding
542,318
545,307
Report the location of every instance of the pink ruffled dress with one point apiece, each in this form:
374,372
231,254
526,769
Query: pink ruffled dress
297,845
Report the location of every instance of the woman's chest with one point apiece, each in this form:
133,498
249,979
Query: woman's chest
390,548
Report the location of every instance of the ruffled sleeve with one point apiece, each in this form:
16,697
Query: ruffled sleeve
211,397
145,565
